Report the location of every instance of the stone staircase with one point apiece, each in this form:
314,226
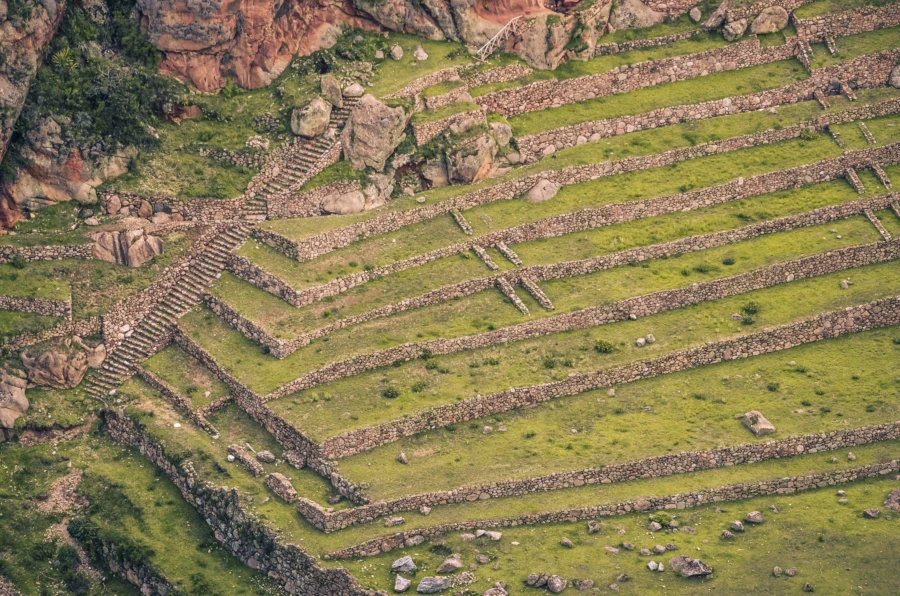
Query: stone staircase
298,164
145,338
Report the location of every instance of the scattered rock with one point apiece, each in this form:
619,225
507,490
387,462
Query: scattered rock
770,20
622,578
790,571
424,510
737,526
566,543
404,565
777,571
640,342
393,521
312,120
893,500
414,540
497,590
652,565
493,536
401,584
610,549
402,458
583,584
695,14
754,517
432,585
482,559
354,90
627,546
420,54
557,584
654,526
851,456
266,457
808,587
613,587
726,535
451,564
659,549
593,527
871,513
379,55
689,567
671,546
757,423
650,338
644,552
544,190
396,52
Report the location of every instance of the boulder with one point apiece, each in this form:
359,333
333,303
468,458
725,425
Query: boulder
871,513
343,204
757,423
266,457
451,564
894,80
435,172
770,20
695,14
497,590
312,120
633,14
557,584
281,486
893,500
401,584
13,403
734,30
331,89
737,526
502,133
129,247
433,585
354,90
754,517
59,367
717,18
420,54
471,161
543,191
396,52
372,132
689,567
404,565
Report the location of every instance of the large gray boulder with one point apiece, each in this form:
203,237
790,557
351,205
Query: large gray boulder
433,585
13,403
770,20
130,247
689,567
372,132
757,423
331,89
311,120
502,133
734,30
633,14
472,160
56,367
544,190
344,204
894,80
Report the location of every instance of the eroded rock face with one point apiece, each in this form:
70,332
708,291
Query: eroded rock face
130,247
372,132
56,173
734,30
633,14
311,120
351,202
471,161
894,80
331,89
57,367
13,403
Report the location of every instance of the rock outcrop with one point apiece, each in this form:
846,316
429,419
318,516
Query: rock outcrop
629,14
471,161
372,132
344,204
770,20
311,120
130,247
13,403
57,367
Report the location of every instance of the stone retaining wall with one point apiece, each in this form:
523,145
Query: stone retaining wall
833,324
435,102
308,203
734,492
848,22
46,253
628,308
605,49
864,72
41,306
326,242
422,83
80,328
196,210
428,130
754,8
238,530
501,74
538,273
181,402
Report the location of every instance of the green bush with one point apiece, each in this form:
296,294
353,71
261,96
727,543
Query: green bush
390,393
601,346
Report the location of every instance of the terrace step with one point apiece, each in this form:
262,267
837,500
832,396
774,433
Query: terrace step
870,139
537,293
509,254
804,54
485,258
461,221
854,180
878,225
829,43
836,136
820,97
506,288
847,92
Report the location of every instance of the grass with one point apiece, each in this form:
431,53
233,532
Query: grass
441,88
696,90
444,112
14,323
391,75
41,279
829,544
354,402
480,312
188,375
852,46
50,225
836,384
815,9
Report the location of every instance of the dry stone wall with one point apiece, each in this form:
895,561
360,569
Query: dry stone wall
849,22
681,501
833,324
246,537
196,210
754,8
428,130
605,49
181,402
46,253
41,306
308,203
636,307
338,238
538,273
653,467
864,72
581,220
80,328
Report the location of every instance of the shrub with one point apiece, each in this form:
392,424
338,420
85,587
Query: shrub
418,387
773,387
728,261
390,393
751,308
529,435
601,346
745,320
18,262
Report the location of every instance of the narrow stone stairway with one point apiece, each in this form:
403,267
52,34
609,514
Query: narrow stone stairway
298,166
145,338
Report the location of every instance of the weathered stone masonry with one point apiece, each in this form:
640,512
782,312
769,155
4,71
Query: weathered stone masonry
734,492
46,253
41,306
247,538
326,242
848,22
584,219
833,324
